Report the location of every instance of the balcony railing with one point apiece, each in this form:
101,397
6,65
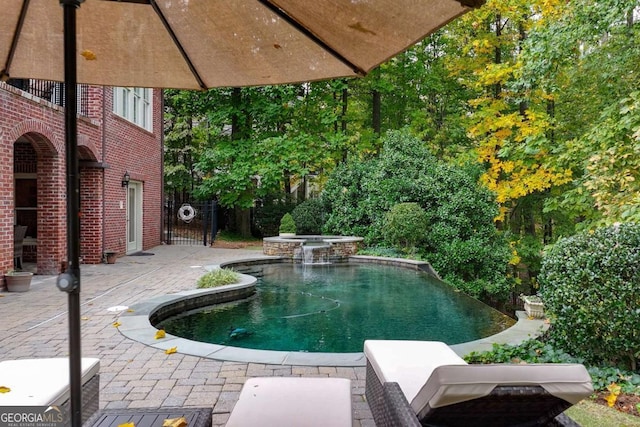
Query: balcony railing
52,92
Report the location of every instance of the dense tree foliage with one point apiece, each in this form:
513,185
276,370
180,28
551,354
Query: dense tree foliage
542,96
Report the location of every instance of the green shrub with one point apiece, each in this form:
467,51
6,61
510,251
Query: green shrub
218,277
381,251
405,226
269,212
536,351
590,284
461,240
309,217
287,225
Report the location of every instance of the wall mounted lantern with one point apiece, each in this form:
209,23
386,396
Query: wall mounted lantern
125,179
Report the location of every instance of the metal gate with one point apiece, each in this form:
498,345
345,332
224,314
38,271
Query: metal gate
191,223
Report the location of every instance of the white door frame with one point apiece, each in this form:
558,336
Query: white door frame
134,217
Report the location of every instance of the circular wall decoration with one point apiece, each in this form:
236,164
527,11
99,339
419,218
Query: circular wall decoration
186,212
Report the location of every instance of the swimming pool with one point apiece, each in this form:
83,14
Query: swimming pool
334,308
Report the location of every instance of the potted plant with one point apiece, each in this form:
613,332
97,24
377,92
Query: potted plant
533,305
18,281
111,256
287,226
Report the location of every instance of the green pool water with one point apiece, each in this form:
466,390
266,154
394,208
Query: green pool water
334,308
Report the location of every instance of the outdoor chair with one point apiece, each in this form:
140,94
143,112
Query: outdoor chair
293,401
45,382
457,394
19,231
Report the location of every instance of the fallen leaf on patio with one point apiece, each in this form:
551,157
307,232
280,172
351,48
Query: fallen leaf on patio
4,389
131,310
171,350
84,318
88,55
127,425
175,422
117,324
160,334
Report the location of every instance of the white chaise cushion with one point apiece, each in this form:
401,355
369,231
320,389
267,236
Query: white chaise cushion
293,401
409,363
40,382
453,384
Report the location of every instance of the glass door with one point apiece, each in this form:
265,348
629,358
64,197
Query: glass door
134,217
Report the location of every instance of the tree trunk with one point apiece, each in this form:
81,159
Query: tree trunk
243,222
376,107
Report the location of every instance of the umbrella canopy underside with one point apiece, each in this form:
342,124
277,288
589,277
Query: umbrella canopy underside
197,44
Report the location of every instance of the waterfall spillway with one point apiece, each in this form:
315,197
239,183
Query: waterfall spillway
315,254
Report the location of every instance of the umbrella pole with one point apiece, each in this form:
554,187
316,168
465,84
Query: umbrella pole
69,281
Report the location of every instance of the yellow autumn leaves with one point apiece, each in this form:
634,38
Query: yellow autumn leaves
614,391
169,422
160,334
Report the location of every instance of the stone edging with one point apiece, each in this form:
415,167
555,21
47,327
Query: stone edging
136,325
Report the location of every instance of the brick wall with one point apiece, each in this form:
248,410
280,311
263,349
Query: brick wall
32,132
134,150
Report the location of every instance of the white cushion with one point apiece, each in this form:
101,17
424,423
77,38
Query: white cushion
289,401
453,384
408,363
40,382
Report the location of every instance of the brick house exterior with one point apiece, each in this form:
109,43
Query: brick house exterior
33,178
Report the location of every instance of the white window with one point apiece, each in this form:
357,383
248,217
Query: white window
134,104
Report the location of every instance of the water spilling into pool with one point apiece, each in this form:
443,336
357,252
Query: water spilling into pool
334,308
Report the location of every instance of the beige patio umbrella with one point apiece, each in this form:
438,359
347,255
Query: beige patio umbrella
196,44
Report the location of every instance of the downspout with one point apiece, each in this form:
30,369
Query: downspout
104,171
162,195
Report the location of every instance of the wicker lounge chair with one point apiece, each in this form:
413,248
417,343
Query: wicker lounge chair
457,394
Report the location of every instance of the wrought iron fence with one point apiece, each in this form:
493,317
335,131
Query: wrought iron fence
52,92
190,223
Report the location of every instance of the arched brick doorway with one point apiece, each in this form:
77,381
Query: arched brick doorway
39,201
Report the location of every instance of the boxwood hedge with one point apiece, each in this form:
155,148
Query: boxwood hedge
590,285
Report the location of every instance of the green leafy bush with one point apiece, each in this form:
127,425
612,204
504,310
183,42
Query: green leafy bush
405,226
309,217
218,277
287,225
590,284
537,351
383,251
460,241
269,212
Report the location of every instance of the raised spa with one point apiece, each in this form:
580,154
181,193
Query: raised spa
334,308
312,249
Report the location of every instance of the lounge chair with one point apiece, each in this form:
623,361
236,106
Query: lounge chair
293,401
45,382
19,231
457,394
